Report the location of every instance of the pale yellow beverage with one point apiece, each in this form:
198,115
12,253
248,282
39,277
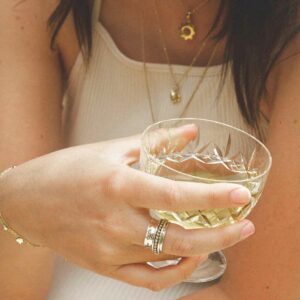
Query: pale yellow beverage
205,168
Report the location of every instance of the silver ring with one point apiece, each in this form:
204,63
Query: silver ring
155,236
157,245
150,234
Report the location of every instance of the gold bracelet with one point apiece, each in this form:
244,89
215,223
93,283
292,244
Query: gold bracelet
19,239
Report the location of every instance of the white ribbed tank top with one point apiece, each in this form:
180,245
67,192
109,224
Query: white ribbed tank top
109,100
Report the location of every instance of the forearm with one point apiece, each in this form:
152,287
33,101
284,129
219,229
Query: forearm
25,271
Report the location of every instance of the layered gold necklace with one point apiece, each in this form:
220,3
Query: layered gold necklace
174,94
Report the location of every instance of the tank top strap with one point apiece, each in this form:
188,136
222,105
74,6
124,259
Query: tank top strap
96,11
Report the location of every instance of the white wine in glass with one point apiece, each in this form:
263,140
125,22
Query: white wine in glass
217,153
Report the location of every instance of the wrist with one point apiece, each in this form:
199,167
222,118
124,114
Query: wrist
4,187
5,191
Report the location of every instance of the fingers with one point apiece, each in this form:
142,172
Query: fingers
140,254
132,147
123,151
165,140
127,150
181,242
193,242
157,279
161,140
149,191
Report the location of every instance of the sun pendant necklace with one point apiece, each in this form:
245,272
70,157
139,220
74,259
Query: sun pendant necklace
188,30
175,92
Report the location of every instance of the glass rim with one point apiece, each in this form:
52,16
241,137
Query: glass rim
199,178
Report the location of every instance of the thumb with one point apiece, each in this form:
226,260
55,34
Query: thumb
173,139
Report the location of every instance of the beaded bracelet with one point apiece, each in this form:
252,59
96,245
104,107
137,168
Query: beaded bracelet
19,239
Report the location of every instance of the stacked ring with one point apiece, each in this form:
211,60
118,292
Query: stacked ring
155,236
160,237
150,234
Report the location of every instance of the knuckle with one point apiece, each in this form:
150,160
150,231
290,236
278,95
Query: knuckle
212,195
113,184
173,195
154,286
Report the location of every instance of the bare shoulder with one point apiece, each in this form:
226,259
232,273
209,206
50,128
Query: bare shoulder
23,26
25,15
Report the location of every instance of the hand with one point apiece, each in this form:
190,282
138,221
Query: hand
88,205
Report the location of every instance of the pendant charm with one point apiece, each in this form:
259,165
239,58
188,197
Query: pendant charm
175,95
187,30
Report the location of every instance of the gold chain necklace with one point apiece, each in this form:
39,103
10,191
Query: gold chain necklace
188,28
175,93
147,78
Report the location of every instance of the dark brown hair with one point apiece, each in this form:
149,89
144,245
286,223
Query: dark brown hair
257,32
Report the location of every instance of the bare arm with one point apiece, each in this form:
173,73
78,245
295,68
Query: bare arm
30,97
267,266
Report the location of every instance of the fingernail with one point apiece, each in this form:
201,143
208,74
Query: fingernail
189,126
240,196
247,230
189,131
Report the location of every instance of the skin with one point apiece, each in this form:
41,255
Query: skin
41,86
75,218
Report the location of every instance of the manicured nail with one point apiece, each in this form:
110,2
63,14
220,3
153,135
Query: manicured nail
240,196
189,126
247,230
189,131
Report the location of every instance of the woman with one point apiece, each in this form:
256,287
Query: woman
108,99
